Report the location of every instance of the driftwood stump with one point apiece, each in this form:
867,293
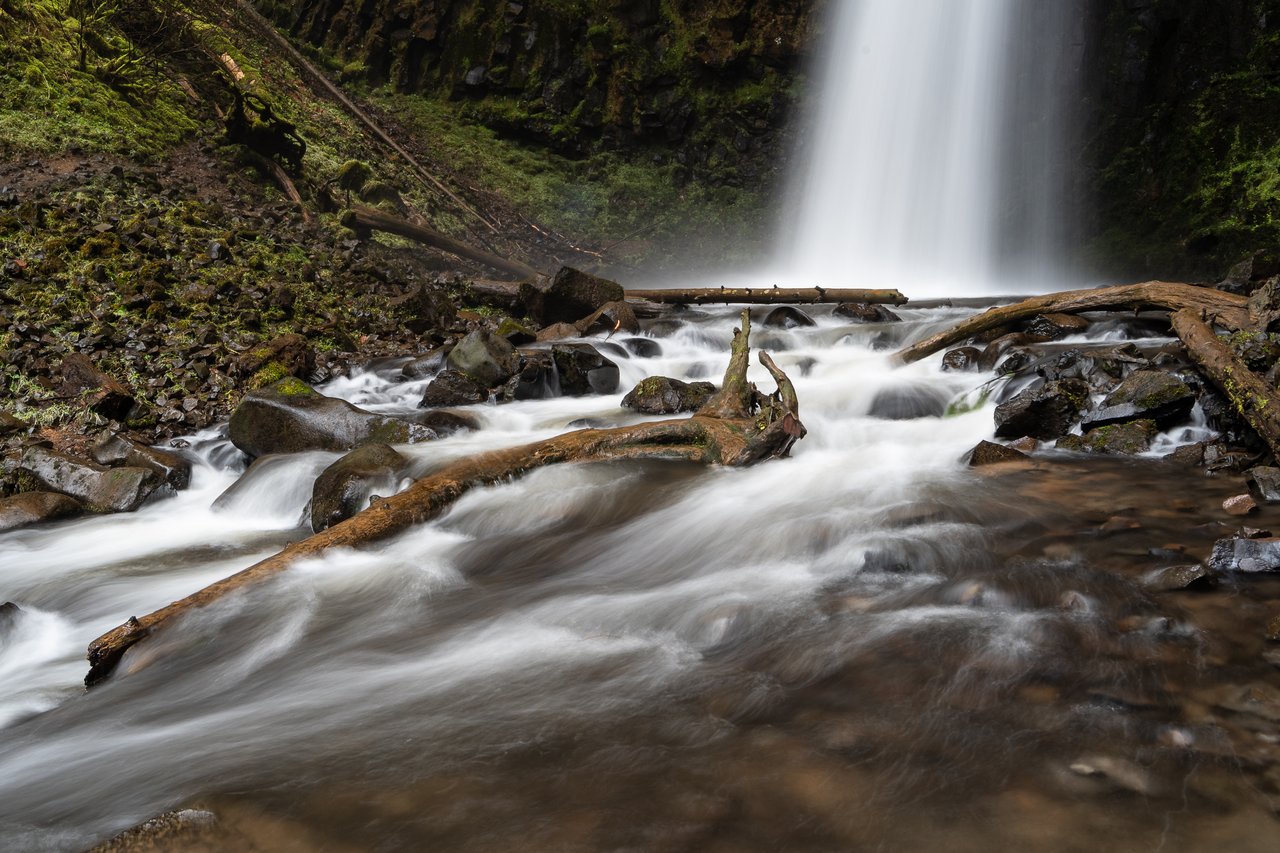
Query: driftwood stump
738,426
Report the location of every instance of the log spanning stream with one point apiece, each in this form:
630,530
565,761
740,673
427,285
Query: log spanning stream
867,645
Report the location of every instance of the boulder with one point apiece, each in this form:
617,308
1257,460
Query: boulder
557,332
583,370
100,488
961,358
643,347
570,296
424,365
864,312
172,469
995,349
1246,555
1051,327
907,402
1264,483
1194,576
536,379
662,395
282,356
1145,394
451,388
1118,439
103,394
36,508
610,317
990,453
444,422
344,488
1044,412
787,317
289,416
484,357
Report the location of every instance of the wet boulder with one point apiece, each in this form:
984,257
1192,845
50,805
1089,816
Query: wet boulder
1246,555
643,347
569,297
907,402
451,388
484,357
99,488
557,332
172,469
995,349
29,508
961,359
1145,394
102,393
583,370
787,317
610,317
536,379
1045,411
290,416
444,422
662,395
424,365
1192,576
1051,327
344,488
1264,483
990,453
1125,439
865,312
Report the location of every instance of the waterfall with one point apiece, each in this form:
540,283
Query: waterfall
933,161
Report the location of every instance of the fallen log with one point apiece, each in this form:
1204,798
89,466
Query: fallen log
766,296
738,426
1226,309
1248,392
366,218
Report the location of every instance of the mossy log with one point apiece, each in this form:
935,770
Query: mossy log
365,218
738,426
1226,309
765,296
1251,395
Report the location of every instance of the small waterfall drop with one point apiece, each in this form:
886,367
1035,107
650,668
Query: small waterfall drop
933,160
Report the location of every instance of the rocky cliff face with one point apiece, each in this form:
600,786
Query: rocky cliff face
707,82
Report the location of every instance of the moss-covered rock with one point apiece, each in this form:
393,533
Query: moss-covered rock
1126,439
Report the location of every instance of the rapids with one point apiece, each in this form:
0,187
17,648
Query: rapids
867,645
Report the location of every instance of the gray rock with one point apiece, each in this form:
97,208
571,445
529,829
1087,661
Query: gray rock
1043,412
662,395
100,488
36,508
1264,483
583,370
174,470
451,388
787,317
1246,555
1145,394
486,358
290,416
343,489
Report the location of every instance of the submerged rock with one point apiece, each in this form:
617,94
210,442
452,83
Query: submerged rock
662,395
100,488
907,402
1193,576
1043,412
344,488
29,508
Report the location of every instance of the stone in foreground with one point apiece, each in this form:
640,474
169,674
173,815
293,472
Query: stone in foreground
100,488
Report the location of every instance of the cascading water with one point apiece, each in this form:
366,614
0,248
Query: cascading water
933,161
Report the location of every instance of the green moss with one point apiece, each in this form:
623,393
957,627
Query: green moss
292,387
269,374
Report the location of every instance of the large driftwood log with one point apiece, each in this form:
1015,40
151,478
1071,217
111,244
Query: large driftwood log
1250,394
738,426
1227,309
766,295
376,220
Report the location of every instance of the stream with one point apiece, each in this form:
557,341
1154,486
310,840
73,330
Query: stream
869,645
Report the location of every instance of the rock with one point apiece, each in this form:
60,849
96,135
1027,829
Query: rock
961,358
557,332
1188,454
36,508
9,425
1246,555
1051,327
1145,394
583,370
1043,412
9,613
282,356
537,378
515,332
787,317
610,317
1273,630
1119,439
571,296
443,422
451,388
185,829
1264,483
486,358
425,364
662,395
990,453
864,312
100,488
1193,576
289,416
906,402
992,352
1240,505
103,394
344,488
172,469
643,347
1118,773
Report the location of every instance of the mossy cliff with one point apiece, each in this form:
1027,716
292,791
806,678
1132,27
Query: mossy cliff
1184,157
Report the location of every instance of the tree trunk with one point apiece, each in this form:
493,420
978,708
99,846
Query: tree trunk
376,220
738,426
1226,309
766,295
